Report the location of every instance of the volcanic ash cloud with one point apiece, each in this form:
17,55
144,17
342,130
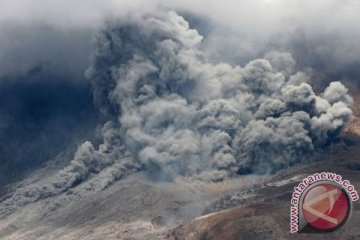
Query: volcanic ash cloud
171,111
176,113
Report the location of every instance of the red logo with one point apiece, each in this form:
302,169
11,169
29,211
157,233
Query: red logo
326,207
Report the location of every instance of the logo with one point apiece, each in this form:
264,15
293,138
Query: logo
322,202
325,207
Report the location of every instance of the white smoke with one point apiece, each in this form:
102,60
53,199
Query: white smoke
173,112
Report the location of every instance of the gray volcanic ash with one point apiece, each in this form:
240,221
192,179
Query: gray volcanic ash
177,113
176,122
171,112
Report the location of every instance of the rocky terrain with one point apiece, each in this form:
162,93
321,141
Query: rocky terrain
136,207
262,210
354,127
168,120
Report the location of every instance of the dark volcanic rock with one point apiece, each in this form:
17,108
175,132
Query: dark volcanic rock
262,211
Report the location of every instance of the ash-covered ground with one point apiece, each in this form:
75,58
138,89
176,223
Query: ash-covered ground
171,121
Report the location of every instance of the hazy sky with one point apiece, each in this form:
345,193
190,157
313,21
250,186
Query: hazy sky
45,47
255,20
265,15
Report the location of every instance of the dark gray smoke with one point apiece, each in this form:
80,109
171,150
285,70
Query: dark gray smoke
45,100
181,114
171,111
42,114
177,113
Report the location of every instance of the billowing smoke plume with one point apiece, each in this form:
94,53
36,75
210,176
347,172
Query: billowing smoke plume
177,113
172,112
